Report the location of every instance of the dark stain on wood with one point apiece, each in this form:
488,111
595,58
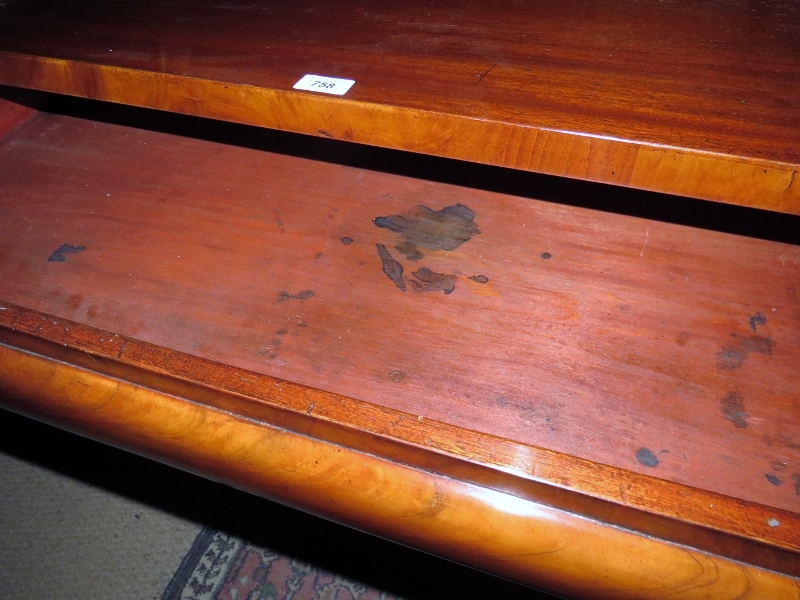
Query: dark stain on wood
796,480
756,320
781,440
282,331
91,312
270,350
347,240
772,479
430,281
409,250
426,229
75,301
646,457
735,353
392,268
732,407
279,221
58,255
777,465
301,295
683,338
546,255
479,278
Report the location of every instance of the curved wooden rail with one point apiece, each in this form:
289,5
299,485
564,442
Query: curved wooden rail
685,98
491,530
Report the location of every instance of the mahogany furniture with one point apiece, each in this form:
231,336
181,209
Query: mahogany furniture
588,388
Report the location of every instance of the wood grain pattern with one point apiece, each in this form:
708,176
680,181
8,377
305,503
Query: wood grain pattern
721,525
519,539
633,337
692,98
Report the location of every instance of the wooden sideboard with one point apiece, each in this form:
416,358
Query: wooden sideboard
527,296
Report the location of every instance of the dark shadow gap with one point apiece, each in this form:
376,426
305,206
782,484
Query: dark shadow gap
750,222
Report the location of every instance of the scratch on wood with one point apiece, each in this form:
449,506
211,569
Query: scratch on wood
646,237
485,74
791,181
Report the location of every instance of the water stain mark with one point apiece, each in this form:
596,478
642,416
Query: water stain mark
777,465
396,376
796,480
392,268
430,281
75,301
646,457
279,221
781,440
479,278
426,229
772,479
58,255
756,320
301,295
683,338
270,350
733,355
347,240
732,407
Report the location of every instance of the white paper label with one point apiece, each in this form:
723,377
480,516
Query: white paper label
326,85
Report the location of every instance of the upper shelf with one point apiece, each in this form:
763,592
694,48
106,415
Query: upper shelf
700,99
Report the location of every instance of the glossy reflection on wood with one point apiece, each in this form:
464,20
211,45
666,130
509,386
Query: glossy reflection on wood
638,344
498,532
691,98
721,525
543,350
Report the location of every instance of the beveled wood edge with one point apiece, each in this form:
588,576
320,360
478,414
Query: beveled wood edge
516,538
697,518
731,179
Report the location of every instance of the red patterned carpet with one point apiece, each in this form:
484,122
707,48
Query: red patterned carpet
222,567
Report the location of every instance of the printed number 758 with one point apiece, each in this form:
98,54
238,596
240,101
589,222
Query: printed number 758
323,84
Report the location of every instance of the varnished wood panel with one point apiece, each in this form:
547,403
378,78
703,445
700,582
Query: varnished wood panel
647,346
691,98
721,525
494,531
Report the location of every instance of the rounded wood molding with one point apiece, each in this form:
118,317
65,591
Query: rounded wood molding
516,538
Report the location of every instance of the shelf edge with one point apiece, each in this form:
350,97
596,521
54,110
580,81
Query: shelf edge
730,179
515,538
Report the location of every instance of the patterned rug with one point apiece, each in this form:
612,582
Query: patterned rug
223,567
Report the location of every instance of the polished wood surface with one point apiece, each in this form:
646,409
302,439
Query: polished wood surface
12,115
722,525
596,362
692,98
523,540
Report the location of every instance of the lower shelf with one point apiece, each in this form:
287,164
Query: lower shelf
503,534
563,362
